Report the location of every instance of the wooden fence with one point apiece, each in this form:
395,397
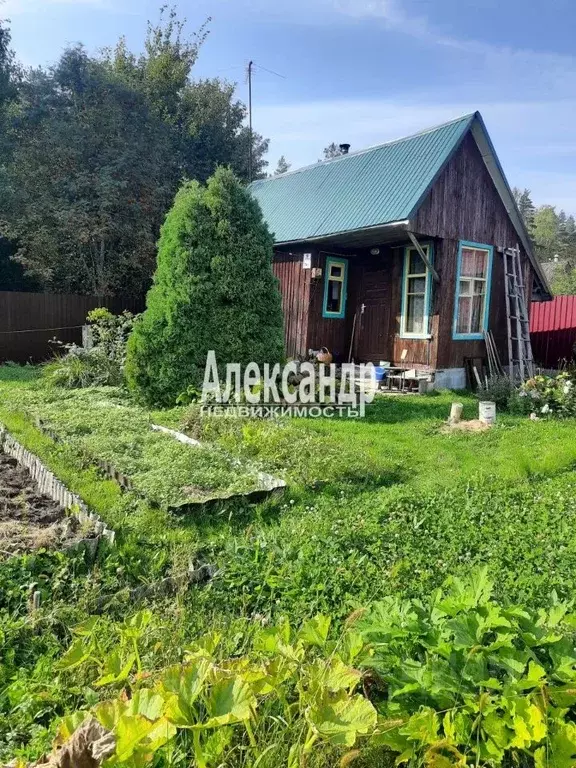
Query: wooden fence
30,321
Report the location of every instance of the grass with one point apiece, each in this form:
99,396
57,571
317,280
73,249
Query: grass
379,506
400,438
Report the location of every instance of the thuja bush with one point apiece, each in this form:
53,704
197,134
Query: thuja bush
213,290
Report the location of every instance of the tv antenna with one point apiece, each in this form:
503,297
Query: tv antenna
251,65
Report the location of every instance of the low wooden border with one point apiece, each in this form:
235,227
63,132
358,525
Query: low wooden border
49,485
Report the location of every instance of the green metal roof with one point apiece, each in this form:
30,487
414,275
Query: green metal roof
363,189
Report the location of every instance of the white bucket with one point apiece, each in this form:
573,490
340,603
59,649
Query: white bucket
487,412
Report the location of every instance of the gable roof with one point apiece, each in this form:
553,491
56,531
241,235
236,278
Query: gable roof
374,187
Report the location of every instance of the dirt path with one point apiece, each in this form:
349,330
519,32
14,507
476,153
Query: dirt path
28,519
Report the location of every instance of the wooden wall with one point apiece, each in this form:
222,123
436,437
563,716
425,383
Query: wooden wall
376,283
28,321
464,204
295,288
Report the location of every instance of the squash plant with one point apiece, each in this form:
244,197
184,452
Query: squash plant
295,693
458,680
462,680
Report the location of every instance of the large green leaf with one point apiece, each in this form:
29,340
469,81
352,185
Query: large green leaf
339,677
134,626
422,726
131,731
87,628
230,701
116,669
315,631
78,653
184,684
339,720
562,746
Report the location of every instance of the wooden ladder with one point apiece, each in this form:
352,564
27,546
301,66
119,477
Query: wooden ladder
520,356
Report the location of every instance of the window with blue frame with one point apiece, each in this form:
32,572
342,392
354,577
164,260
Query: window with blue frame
416,294
335,287
472,290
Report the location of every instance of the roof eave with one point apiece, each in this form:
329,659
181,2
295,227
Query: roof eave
384,228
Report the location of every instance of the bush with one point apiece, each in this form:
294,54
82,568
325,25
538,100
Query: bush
100,365
213,290
551,395
457,680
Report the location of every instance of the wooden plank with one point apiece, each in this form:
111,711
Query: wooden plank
423,256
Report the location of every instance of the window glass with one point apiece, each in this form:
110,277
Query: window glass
472,291
335,288
416,277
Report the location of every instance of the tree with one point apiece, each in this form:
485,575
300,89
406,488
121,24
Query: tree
94,149
12,277
90,178
546,232
564,282
207,123
525,206
6,66
282,167
332,151
213,290
567,236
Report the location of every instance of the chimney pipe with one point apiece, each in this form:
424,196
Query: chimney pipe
344,148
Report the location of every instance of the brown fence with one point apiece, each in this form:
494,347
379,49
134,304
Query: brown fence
29,321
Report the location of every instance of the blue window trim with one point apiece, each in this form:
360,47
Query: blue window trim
428,303
335,315
486,316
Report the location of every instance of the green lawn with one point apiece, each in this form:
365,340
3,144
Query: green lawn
379,506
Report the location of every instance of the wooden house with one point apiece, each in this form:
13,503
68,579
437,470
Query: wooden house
394,253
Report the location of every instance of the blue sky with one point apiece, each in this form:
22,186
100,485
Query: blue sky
365,71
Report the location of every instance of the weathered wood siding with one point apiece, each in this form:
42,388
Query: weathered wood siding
376,283
295,289
464,204
333,333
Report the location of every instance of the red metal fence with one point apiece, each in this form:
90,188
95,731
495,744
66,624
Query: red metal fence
553,330
29,321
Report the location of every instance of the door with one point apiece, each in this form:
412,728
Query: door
372,343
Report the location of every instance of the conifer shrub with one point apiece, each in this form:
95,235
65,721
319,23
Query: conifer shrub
214,289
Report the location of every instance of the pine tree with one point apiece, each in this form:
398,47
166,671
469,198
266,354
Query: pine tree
282,167
213,290
525,206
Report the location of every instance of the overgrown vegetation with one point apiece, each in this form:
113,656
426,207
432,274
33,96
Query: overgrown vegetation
100,426
454,679
542,396
213,290
102,363
419,506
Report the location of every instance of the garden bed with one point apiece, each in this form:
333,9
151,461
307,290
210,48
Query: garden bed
31,520
108,431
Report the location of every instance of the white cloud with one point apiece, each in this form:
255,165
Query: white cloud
521,68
